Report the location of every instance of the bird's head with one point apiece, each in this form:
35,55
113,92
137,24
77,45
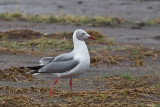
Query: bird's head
82,35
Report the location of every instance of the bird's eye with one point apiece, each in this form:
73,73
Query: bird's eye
82,33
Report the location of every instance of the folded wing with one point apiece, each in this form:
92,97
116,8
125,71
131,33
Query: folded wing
59,64
59,67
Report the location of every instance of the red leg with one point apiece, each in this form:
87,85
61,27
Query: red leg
51,94
71,84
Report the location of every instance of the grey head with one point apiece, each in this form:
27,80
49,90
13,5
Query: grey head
82,35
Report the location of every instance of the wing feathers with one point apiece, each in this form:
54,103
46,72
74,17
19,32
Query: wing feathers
46,60
59,67
58,64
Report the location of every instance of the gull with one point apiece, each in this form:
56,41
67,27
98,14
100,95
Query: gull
67,65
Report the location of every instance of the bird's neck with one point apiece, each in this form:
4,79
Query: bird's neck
79,45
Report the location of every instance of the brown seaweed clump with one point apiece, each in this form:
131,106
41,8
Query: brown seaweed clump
15,74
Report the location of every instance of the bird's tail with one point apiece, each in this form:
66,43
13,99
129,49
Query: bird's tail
34,69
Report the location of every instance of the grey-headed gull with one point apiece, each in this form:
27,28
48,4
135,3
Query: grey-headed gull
67,65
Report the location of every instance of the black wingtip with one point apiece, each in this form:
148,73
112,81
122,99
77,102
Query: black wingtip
33,68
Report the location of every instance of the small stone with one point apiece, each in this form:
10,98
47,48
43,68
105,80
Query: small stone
79,2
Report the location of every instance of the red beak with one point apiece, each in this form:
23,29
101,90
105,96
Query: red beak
91,37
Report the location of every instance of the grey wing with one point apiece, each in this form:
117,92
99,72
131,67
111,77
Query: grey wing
46,60
59,67
64,57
